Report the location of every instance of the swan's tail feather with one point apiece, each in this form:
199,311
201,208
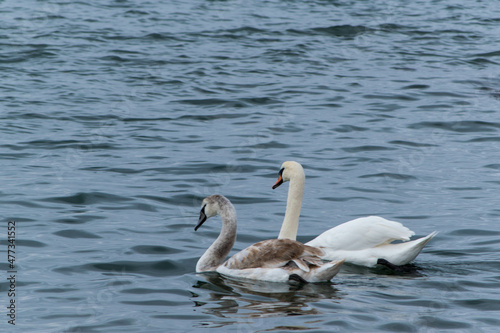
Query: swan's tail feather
410,250
430,236
422,242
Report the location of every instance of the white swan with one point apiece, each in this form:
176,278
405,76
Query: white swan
365,241
277,260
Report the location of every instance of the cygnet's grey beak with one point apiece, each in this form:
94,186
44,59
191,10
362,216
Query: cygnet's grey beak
202,218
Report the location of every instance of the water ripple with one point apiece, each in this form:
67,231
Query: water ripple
76,234
118,119
458,126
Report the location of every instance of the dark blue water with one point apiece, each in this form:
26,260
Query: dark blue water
119,117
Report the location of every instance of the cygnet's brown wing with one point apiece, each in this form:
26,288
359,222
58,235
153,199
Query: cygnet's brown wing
275,253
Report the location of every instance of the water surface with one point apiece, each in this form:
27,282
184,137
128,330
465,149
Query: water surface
118,118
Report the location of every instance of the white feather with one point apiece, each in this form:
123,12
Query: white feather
361,241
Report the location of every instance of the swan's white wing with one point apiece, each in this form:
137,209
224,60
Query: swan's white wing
272,253
362,233
397,254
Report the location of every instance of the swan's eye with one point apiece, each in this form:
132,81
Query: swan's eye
281,172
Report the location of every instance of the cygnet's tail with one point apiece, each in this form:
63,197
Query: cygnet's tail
324,272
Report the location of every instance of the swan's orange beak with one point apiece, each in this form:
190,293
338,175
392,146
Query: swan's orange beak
280,180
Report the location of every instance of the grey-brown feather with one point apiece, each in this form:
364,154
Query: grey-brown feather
275,253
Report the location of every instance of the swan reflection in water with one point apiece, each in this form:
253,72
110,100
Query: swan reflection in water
242,302
250,299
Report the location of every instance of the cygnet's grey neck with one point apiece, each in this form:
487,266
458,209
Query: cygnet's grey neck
215,255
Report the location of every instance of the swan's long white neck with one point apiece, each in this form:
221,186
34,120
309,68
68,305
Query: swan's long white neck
214,256
293,205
